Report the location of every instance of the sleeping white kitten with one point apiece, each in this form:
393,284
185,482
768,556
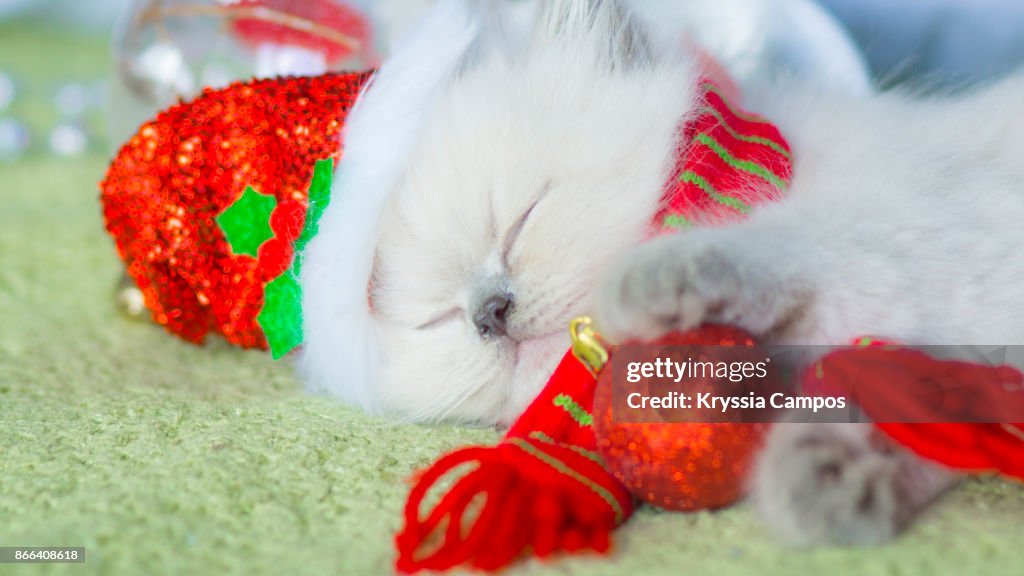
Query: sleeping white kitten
543,162
533,167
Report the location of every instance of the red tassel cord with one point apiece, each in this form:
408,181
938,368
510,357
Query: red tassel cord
542,490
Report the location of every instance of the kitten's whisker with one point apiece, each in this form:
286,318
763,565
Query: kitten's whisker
442,405
467,393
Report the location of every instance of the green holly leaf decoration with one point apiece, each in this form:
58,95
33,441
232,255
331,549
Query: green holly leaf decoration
281,316
319,197
246,223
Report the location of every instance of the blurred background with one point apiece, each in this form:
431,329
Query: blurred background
80,76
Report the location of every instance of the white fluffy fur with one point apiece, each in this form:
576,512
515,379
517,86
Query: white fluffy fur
757,40
903,220
484,110
760,41
340,351
560,118
906,215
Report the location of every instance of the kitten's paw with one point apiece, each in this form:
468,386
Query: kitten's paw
841,484
682,281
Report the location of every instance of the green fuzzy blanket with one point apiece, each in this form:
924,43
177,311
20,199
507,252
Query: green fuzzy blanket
165,458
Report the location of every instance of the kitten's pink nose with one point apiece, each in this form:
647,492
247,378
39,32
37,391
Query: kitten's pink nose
491,319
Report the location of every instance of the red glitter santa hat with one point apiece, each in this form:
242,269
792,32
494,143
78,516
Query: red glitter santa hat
206,202
212,203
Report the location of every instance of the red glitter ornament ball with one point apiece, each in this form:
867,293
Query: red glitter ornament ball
678,466
169,183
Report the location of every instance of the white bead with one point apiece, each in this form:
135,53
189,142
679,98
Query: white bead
14,139
72,99
68,140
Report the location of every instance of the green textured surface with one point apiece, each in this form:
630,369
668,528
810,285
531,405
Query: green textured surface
165,458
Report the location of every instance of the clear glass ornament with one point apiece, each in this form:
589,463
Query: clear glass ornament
166,50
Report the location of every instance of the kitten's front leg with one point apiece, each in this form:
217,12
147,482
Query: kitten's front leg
842,484
718,275
815,483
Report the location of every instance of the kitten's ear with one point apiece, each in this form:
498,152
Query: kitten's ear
619,38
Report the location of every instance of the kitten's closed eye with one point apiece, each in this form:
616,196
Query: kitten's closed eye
517,228
510,240
514,232
441,319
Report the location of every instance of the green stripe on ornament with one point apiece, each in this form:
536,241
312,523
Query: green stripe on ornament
865,342
742,165
588,454
575,411
768,142
745,116
566,470
676,221
697,180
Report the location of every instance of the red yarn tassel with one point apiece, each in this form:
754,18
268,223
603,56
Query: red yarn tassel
540,491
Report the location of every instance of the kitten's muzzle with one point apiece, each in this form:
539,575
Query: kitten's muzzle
491,318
